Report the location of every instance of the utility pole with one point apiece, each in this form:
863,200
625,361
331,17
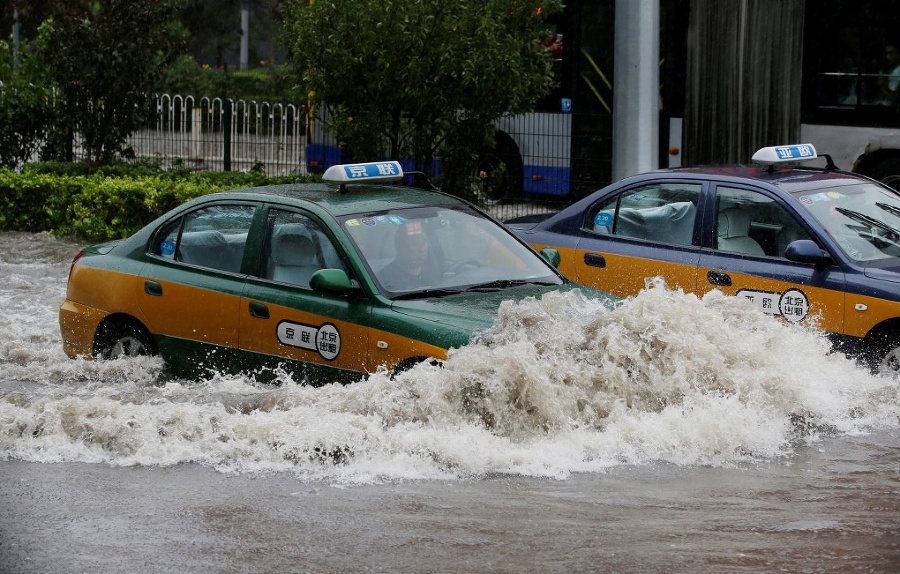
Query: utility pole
636,88
15,33
245,34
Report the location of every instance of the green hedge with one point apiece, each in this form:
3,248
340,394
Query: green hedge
271,83
101,207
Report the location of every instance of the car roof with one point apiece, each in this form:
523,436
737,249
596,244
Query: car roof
340,200
790,180
783,180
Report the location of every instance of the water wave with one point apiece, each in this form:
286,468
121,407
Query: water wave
558,385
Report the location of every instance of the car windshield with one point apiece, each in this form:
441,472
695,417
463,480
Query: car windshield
864,219
436,251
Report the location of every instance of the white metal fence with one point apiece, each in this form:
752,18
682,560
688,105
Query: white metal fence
217,134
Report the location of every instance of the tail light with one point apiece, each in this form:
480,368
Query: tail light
74,261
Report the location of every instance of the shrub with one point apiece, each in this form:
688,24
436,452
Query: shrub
58,168
22,200
266,84
25,107
110,204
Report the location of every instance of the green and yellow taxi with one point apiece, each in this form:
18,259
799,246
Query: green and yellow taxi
327,281
809,244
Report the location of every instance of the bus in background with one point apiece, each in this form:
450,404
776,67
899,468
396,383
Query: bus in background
850,64
563,150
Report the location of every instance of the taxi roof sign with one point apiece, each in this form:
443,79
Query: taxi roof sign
373,171
785,155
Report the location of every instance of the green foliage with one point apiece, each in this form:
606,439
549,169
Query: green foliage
25,106
214,30
266,84
425,76
101,206
22,200
269,84
212,25
103,58
58,168
184,76
22,123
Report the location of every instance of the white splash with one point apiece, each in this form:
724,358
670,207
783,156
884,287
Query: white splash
558,385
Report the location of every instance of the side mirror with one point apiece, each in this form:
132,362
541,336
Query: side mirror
806,251
331,281
551,255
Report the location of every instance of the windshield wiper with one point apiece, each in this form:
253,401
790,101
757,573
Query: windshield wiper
892,209
501,284
490,286
427,293
868,220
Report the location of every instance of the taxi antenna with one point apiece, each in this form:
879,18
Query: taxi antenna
829,163
417,175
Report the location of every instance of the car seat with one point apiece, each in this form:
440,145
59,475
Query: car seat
293,259
733,232
203,248
788,234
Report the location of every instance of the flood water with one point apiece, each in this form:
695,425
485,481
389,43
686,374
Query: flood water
670,433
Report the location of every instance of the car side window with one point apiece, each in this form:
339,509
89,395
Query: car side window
751,223
297,247
212,237
658,212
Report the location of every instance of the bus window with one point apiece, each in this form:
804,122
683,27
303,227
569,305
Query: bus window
845,111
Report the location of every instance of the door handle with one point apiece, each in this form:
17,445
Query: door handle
719,278
259,310
594,260
152,288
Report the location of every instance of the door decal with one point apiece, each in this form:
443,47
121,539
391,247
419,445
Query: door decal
325,339
792,304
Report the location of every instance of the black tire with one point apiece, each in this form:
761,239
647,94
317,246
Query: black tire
883,353
887,172
123,339
407,364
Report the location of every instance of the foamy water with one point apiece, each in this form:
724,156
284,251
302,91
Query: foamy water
558,385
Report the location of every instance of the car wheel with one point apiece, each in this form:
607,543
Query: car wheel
122,339
407,364
888,172
884,354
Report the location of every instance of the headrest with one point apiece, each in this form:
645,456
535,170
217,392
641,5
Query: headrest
206,238
294,250
733,222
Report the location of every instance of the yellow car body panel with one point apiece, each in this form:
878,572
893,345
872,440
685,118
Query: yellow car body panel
624,276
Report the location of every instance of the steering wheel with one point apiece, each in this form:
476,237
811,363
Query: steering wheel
461,266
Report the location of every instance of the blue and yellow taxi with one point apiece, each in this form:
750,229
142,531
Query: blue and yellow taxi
807,243
327,281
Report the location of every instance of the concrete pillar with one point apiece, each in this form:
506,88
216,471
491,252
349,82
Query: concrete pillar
245,36
636,88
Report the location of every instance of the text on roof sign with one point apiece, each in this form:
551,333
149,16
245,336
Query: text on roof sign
795,152
371,170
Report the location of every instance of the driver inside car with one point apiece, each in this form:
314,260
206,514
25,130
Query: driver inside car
414,266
